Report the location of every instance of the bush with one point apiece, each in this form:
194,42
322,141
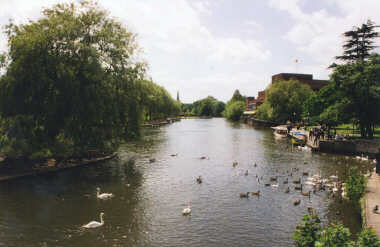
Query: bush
355,185
307,231
234,111
336,235
368,238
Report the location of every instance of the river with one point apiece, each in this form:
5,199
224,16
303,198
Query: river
48,210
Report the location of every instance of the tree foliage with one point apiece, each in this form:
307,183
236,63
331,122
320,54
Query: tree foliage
308,230
368,238
157,102
74,83
355,184
353,94
359,43
358,85
208,106
284,101
235,107
309,233
234,110
336,235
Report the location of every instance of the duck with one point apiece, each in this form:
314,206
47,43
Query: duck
187,211
256,193
286,181
297,181
103,196
275,185
151,160
255,165
273,178
287,190
203,157
298,187
246,173
199,180
305,193
95,224
305,173
267,184
234,164
297,202
173,155
244,195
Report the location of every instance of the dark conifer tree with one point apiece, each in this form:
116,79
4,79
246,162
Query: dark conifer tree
360,42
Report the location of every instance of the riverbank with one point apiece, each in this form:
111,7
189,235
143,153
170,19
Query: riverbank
9,173
371,199
365,147
160,122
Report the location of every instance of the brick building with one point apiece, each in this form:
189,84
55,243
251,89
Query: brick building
307,79
252,103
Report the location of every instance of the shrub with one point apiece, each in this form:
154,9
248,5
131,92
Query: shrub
355,185
307,231
234,111
336,235
368,238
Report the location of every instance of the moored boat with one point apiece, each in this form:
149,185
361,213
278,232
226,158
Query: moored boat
280,131
298,138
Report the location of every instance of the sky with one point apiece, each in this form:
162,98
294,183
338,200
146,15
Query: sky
212,47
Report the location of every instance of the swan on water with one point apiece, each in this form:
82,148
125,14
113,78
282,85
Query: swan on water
103,196
95,224
187,211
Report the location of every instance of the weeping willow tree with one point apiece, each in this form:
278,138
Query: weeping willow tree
71,83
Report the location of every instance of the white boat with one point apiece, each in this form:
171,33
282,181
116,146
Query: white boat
280,131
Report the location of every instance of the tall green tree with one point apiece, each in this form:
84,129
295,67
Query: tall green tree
360,42
208,106
284,101
71,79
235,106
237,96
358,85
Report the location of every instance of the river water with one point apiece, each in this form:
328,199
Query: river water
149,197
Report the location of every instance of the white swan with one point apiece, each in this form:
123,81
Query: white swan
274,185
95,224
103,196
187,211
335,176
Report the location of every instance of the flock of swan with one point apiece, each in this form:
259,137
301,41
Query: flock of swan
313,182
102,196
316,182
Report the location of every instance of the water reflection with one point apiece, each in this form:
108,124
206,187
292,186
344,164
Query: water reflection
150,196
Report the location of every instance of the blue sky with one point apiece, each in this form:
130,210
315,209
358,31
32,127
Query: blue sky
212,47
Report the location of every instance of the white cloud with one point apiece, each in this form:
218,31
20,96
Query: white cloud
251,24
319,34
178,46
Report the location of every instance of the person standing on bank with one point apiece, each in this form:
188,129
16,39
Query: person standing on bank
378,161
